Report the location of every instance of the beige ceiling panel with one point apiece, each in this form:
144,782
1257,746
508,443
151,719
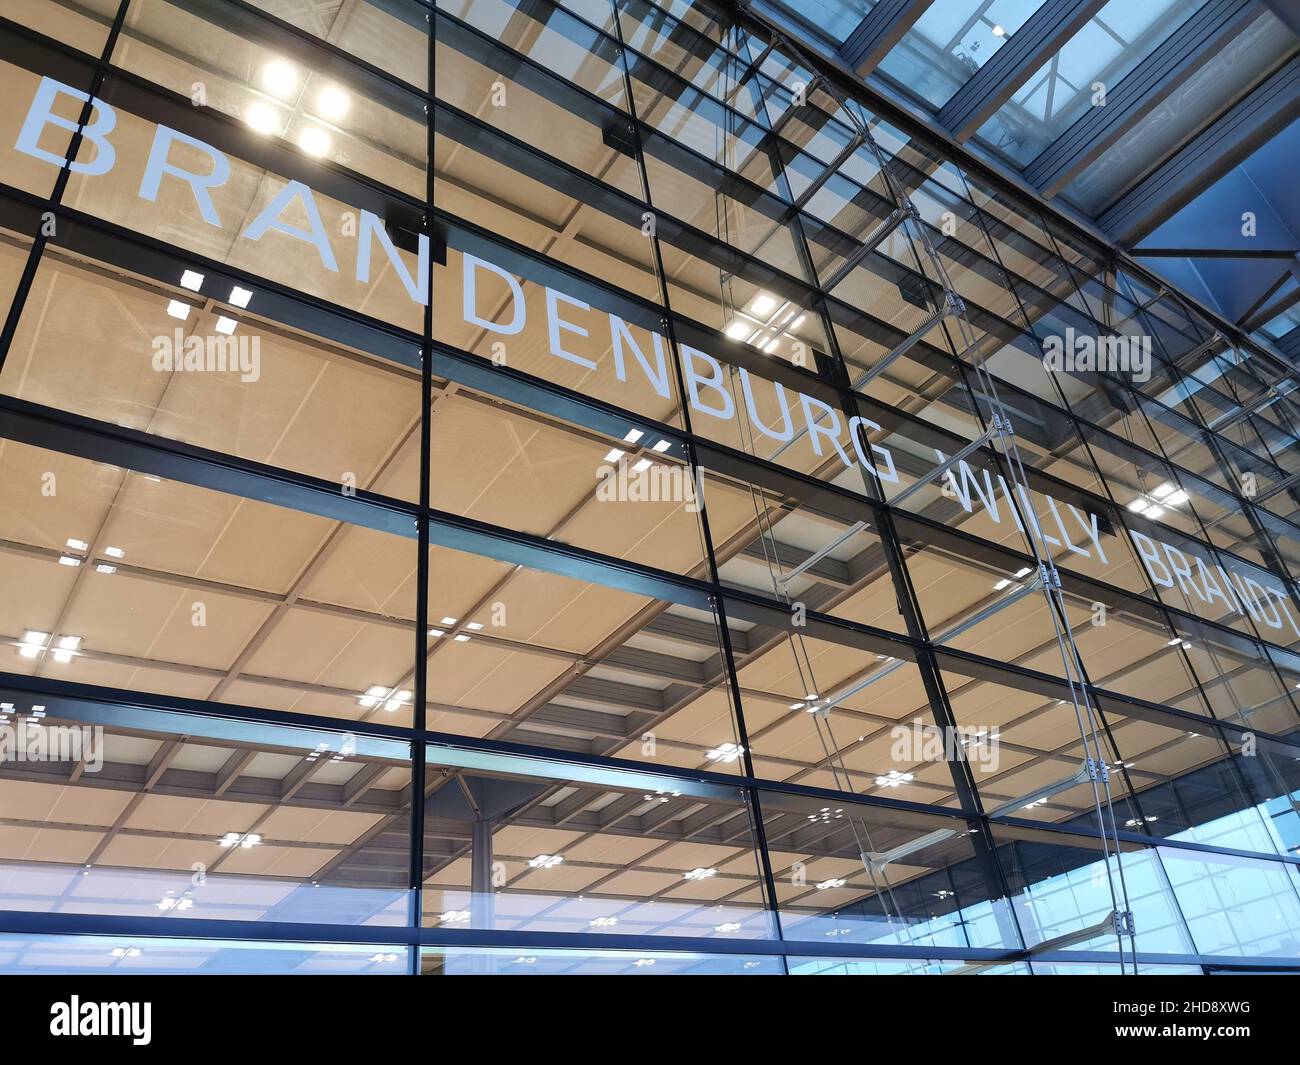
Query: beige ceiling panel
176,813
270,860
125,614
46,844
304,825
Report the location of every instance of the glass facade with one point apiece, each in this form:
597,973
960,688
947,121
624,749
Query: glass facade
567,488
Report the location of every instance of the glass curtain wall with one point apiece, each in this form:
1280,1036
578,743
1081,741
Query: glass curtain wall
495,476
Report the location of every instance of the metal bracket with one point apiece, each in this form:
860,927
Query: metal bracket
1124,923
1097,771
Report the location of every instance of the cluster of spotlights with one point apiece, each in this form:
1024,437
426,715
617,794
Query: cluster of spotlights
1154,503
282,83
192,280
460,637
615,454
62,648
391,699
766,322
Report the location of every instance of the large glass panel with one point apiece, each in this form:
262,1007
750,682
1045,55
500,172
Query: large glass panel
867,875
950,42
207,368
1062,887
160,956
1113,42
563,660
515,845
126,579
162,815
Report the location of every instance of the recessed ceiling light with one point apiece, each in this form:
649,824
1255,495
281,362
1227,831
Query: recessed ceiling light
240,296
314,141
1023,572
603,922
1153,511
280,77
225,325
240,839
798,321
725,752
68,560
613,455
461,637
436,633
178,309
998,31
114,552
104,567
333,103
449,621
796,706
1004,583
826,885
78,545
662,446
739,330
475,625
546,861
728,926
454,916
763,305
641,464
192,280
700,874
1162,490
1177,499
633,435
262,118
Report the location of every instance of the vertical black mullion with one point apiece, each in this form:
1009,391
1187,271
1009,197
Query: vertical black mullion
742,734
905,595
420,683
41,239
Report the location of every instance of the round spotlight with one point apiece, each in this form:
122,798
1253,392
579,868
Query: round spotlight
280,77
262,117
314,141
333,103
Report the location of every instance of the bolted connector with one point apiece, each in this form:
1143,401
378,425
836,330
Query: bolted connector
1097,771
1124,923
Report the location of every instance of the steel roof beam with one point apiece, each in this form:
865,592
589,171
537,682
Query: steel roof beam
1046,30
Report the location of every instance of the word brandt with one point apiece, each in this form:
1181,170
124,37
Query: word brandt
214,354
706,377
